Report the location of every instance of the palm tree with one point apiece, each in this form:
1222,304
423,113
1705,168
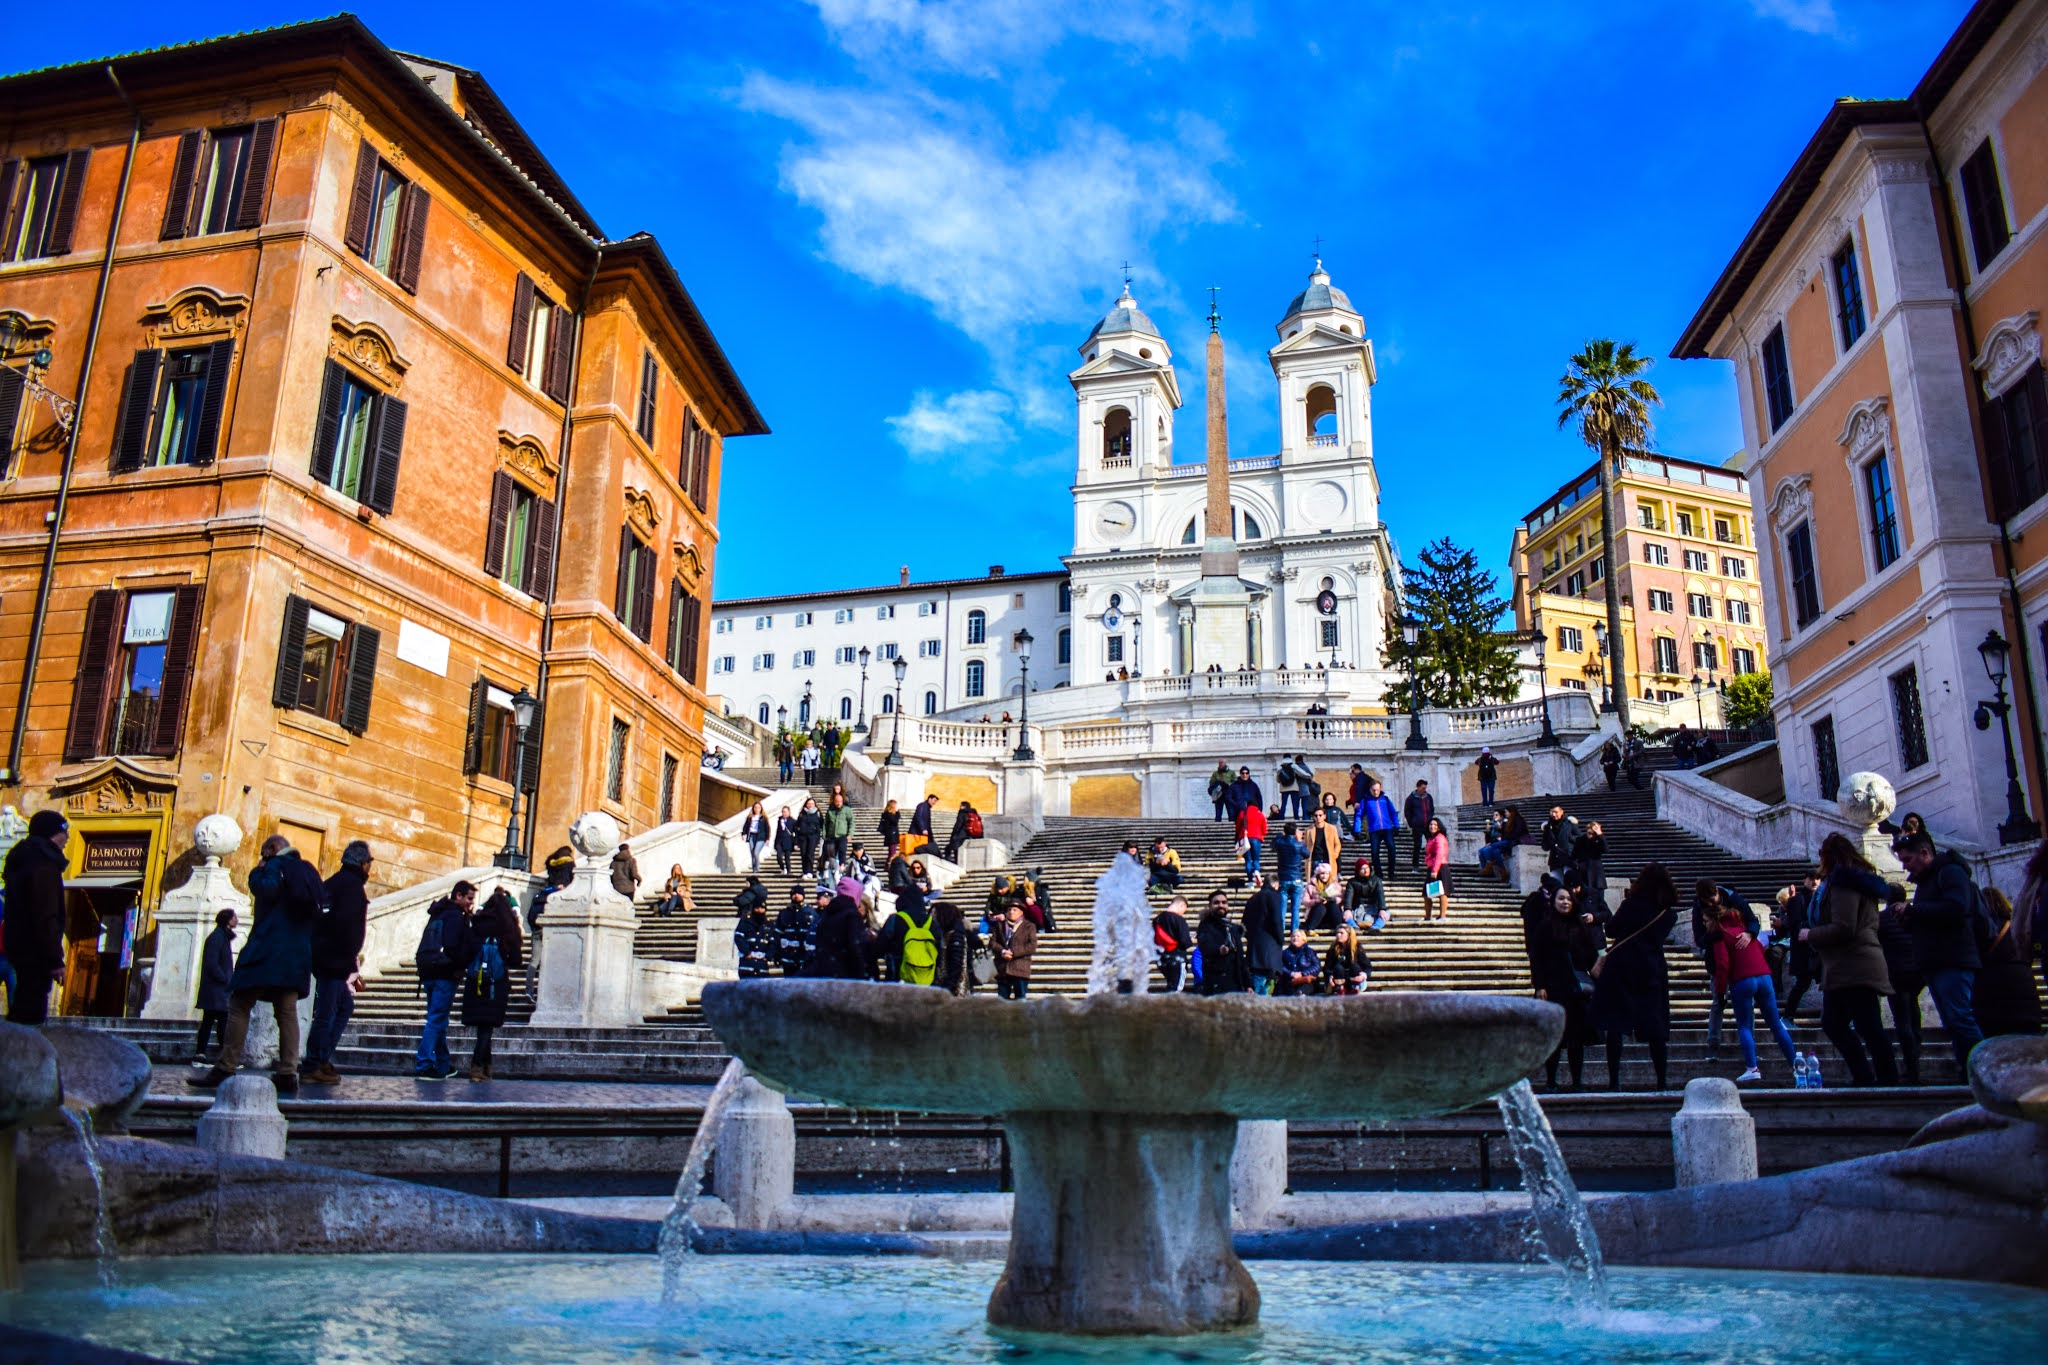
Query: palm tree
1604,392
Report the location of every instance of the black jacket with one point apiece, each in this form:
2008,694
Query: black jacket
1223,958
216,969
1338,967
1633,993
1901,963
278,955
338,934
845,948
454,941
1943,914
1559,838
785,834
1262,929
483,1003
796,934
1175,925
1417,809
756,943
751,895
921,819
810,823
35,905
888,825
1367,892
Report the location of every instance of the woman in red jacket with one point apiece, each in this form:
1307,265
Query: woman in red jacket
1251,839
1741,971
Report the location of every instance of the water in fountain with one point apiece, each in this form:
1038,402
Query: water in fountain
102,1225
1569,1241
1124,951
679,1230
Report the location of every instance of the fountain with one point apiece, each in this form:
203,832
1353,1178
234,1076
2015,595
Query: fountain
1122,1111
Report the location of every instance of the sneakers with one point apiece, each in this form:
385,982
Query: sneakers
287,1083
1713,1054
213,1077
321,1073
1750,1075
433,1073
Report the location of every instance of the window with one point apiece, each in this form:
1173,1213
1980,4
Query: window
843,654
761,713
802,618
668,787
134,672
1801,575
974,677
387,220
1906,716
1849,320
358,440
1734,566
1742,660
722,664
1114,649
1664,654
1066,599
1326,634
1706,655
694,466
1724,531
519,544
1984,205
1571,639
1660,600
1656,554
763,622
1698,561
1648,518
842,616
1884,517
13,393
2016,439
1688,525
846,708
1575,586
1597,570
1116,437
171,411
615,763
1700,605
643,420
723,626
1065,656
886,652
927,649
39,204
888,704
1575,684
1777,367
633,588
218,180
540,346
764,663
493,748
325,665
1827,767
931,703
885,613
1738,611
977,629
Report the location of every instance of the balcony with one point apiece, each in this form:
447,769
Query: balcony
1317,440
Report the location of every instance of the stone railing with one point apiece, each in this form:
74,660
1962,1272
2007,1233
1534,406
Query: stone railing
1472,720
396,918
746,745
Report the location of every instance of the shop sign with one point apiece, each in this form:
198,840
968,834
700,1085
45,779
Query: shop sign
115,855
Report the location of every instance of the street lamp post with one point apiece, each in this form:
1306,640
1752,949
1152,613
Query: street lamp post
1411,633
1548,740
1021,642
524,704
895,759
1699,689
803,708
1606,692
860,724
2019,828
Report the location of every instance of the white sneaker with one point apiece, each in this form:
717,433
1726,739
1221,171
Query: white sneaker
1750,1075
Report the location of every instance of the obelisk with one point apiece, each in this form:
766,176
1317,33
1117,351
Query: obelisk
1222,606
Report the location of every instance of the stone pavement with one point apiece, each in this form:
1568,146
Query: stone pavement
552,1098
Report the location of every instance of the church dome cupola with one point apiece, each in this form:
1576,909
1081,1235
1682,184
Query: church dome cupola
1124,322
1321,302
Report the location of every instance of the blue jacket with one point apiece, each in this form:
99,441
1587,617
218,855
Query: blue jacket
1380,814
1292,853
1242,793
278,956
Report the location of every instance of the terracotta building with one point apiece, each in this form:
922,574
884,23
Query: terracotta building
1882,318
1691,607
332,421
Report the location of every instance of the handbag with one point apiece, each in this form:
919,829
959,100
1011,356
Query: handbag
1583,981
1433,889
982,966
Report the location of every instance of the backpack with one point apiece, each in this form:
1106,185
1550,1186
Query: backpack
432,955
974,824
920,951
487,973
1163,938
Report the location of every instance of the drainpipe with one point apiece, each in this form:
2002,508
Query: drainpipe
547,606
2021,648
12,774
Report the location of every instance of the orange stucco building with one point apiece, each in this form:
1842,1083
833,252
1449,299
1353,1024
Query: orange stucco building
329,421
1882,318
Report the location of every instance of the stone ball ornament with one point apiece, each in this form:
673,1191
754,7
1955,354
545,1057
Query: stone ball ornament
216,836
595,834
1867,798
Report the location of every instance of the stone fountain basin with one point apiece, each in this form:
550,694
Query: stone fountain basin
1388,1055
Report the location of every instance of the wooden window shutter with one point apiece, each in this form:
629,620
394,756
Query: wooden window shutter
622,608
675,622
71,187
96,653
693,632
686,466
180,653
522,323
529,754
363,643
357,233
502,490
473,744
389,437
9,169
178,203
220,358
12,387
2036,384
643,595
650,377
561,337
327,429
291,654
412,242
138,405
249,207
540,559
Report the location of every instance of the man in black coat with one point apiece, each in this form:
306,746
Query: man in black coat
444,950
276,965
1417,810
845,946
34,877
1243,794
1173,938
1262,930
216,970
1559,836
753,938
338,960
796,933
1943,917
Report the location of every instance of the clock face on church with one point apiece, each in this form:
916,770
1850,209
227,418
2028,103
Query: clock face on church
1115,521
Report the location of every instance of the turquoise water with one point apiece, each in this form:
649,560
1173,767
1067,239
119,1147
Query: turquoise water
881,1311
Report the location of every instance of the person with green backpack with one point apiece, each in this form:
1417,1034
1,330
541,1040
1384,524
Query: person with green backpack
910,941
494,954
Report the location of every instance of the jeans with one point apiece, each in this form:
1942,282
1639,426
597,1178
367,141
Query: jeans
28,998
1714,1016
784,769
754,851
1849,1016
1263,983
286,1004
1252,853
1011,987
1496,854
1952,988
1748,994
1219,812
333,1004
433,1049
1486,785
212,1024
1905,1007
1290,900
1290,804
1380,848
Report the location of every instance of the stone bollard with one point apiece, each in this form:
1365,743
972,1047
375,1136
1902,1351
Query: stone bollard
243,1120
753,1162
1527,863
185,918
1258,1171
1712,1138
587,975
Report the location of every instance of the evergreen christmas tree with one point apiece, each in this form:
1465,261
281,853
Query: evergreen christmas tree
1460,657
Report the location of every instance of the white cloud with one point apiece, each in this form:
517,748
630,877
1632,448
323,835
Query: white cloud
974,419
976,36
1806,16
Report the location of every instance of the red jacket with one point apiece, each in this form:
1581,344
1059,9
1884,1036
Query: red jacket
1732,963
1252,824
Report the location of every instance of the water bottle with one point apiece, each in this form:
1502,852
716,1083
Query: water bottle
1799,1081
1813,1072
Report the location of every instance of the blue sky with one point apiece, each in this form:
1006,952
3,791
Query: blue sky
901,218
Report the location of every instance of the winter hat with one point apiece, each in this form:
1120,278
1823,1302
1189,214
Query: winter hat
46,822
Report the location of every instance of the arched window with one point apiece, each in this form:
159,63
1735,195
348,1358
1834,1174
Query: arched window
761,713
1322,415
803,712
977,627
1243,526
1116,436
888,704
974,678
931,703
1066,643
846,708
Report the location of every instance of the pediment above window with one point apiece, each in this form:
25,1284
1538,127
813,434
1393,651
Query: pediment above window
194,313
369,350
1792,503
1867,427
689,564
2011,348
527,460
640,514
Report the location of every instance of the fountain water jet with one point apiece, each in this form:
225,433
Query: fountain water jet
679,1230
1569,1241
104,1251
